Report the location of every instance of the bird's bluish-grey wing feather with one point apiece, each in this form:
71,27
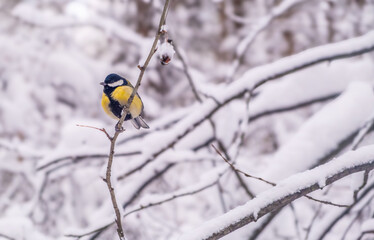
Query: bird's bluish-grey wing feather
139,122
135,123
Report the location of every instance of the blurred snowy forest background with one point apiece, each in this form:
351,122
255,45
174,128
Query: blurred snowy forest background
169,179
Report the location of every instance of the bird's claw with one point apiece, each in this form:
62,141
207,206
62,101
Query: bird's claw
119,128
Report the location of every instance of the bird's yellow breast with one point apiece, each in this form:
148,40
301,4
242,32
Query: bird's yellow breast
105,104
122,94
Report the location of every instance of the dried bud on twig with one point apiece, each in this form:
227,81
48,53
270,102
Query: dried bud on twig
166,52
165,49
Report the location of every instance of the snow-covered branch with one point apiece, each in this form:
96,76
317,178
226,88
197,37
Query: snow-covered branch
285,192
251,80
295,106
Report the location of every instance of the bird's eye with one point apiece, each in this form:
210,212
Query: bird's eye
116,84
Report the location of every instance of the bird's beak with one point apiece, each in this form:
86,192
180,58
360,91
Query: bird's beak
103,83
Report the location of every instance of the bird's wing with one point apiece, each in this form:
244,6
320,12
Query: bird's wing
122,94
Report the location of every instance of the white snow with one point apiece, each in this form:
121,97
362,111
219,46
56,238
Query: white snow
164,28
250,79
321,133
368,225
165,50
312,83
290,185
55,53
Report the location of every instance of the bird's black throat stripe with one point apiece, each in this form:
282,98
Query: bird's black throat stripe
114,106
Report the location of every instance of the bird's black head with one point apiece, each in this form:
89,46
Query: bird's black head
112,81
111,78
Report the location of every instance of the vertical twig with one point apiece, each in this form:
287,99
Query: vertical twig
364,182
258,230
187,73
240,179
198,98
363,131
119,128
296,221
151,53
109,183
350,225
309,228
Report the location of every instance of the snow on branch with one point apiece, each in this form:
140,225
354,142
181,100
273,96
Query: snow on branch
285,192
251,80
365,129
318,83
291,107
320,137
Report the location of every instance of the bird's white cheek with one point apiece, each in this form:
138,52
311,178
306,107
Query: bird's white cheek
116,84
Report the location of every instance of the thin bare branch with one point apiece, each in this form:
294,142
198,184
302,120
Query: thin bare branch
326,202
171,198
237,175
77,158
256,233
91,232
271,183
296,221
350,225
157,175
329,226
313,221
111,189
364,182
150,55
100,129
187,72
238,170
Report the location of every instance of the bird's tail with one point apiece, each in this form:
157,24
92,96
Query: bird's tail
139,122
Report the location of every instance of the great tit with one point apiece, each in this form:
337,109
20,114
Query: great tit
117,91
